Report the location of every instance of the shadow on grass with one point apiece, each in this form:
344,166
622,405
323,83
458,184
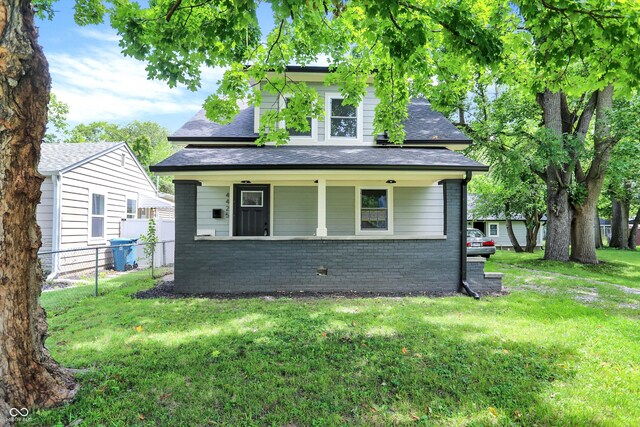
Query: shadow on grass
316,362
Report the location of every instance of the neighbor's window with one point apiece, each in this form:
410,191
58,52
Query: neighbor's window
97,215
251,199
493,230
132,208
343,119
301,133
374,211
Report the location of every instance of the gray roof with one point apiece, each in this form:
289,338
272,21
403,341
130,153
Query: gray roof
57,157
422,126
201,127
425,125
316,157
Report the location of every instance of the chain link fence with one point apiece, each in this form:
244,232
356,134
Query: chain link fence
73,274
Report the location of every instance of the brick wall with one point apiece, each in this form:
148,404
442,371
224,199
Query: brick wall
292,265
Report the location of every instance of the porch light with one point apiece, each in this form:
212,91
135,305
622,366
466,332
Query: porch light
391,181
245,182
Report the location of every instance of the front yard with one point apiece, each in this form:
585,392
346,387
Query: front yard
563,348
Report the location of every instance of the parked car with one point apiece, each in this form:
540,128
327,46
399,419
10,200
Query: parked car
479,244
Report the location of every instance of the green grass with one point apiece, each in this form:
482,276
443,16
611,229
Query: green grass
542,355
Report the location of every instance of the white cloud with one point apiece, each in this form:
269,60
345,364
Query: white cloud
99,83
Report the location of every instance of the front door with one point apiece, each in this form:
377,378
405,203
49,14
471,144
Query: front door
251,210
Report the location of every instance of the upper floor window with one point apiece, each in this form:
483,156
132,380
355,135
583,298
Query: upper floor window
343,122
344,119
295,133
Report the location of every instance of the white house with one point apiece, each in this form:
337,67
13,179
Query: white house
338,208
88,190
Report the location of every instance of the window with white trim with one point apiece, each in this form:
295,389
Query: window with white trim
343,119
493,229
374,209
295,133
343,122
132,208
97,217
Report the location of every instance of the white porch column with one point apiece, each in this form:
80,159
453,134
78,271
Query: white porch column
322,207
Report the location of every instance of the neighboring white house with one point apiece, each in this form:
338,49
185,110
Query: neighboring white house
88,190
496,227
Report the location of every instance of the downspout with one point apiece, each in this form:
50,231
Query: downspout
464,285
55,229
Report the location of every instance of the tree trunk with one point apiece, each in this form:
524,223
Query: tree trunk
597,232
583,249
29,377
619,224
558,179
512,236
634,231
533,228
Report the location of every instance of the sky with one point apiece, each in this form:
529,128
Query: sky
98,83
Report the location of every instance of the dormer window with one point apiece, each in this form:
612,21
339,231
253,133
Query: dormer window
300,136
300,133
343,121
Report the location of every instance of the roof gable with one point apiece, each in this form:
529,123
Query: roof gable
60,156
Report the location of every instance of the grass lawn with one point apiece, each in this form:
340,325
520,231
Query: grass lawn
557,350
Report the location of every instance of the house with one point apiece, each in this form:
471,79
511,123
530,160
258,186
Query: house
338,208
495,227
88,190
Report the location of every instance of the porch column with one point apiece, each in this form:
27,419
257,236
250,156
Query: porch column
322,207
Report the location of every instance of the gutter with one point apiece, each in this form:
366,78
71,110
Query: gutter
464,285
56,180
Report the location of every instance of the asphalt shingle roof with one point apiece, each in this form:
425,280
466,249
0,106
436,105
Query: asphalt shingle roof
56,157
316,157
201,127
422,125
426,125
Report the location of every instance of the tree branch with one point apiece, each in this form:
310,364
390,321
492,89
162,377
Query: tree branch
172,10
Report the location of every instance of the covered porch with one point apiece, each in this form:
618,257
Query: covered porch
285,219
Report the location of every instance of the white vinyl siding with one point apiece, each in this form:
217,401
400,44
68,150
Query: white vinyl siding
270,101
295,211
44,213
107,176
418,210
341,211
210,198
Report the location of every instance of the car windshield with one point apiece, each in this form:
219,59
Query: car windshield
474,233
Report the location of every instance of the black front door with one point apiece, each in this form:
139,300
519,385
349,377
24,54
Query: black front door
251,210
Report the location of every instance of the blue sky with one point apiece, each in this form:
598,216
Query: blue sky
98,83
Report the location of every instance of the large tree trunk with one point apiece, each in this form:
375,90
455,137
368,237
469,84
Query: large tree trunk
512,236
634,231
619,224
597,232
558,179
583,248
29,377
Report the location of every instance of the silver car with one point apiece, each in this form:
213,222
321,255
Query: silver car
479,244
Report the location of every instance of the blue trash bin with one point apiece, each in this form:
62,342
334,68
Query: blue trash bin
124,254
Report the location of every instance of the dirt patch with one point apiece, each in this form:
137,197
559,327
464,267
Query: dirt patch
629,290
166,289
586,295
633,306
